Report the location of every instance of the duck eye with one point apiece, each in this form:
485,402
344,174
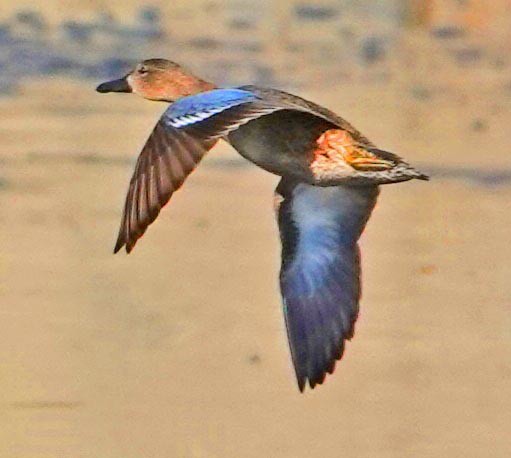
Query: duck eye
143,70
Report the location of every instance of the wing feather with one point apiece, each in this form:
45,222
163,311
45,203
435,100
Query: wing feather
186,131
320,274
167,158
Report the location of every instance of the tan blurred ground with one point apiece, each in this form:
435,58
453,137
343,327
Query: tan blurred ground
179,350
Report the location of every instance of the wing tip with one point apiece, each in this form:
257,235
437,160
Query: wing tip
127,244
319,378
301,383
311,381
121,241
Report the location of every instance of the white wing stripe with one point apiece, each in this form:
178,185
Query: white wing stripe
190,119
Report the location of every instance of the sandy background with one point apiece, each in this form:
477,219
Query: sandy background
179,349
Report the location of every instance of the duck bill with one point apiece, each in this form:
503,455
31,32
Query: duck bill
120,85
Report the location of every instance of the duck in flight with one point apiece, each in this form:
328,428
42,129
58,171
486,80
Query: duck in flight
330,176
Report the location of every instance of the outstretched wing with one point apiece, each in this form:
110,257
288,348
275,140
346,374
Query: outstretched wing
167,158
320,273
186,131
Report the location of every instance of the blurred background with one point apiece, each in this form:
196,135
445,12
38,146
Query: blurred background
179,350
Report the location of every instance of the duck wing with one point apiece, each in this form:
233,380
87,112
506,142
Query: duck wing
186,131
320,272
167,158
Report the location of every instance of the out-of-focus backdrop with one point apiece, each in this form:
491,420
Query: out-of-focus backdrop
179,350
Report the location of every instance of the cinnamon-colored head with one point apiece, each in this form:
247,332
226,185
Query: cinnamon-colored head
158,79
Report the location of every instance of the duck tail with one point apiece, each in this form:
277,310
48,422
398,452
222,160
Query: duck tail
400,167
406,170
416,174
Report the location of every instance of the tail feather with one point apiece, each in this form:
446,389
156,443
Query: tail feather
400,168
418,175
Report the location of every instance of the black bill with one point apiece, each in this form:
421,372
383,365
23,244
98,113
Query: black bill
120,85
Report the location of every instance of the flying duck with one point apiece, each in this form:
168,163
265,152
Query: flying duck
330,176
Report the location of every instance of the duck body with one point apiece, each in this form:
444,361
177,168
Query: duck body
288,136
283,142
331,177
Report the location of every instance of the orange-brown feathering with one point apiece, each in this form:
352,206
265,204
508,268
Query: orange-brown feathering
337,151
166,84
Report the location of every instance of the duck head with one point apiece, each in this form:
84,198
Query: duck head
157,79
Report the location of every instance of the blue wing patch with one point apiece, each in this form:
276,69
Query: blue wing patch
196,108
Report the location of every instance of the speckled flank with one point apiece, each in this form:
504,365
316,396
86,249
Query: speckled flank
339,157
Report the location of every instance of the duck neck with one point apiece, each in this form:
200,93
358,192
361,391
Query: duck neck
189,85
